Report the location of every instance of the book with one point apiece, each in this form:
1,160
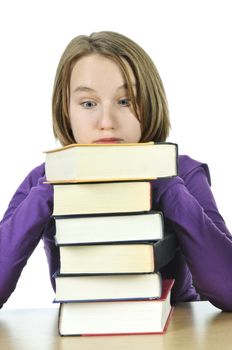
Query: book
117,258
107,287
117,317
107,197
111,162
109,228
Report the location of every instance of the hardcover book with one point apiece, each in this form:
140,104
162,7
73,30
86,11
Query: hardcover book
99,198
107,287
117,258
111,162
109,228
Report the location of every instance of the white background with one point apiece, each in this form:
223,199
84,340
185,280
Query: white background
190,42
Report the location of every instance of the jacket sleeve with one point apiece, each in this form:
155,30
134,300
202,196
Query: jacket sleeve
203,236
21,229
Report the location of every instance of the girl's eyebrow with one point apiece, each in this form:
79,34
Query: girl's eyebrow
89,89
83,88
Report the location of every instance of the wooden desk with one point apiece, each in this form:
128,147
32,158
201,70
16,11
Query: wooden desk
193,326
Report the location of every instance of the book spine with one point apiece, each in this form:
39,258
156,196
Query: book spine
164,251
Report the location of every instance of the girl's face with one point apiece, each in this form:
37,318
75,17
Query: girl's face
99,108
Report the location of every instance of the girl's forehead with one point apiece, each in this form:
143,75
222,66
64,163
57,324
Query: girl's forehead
98,67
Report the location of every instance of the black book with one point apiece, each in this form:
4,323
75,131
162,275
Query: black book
117,258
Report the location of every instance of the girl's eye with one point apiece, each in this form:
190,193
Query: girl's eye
88,104
125,102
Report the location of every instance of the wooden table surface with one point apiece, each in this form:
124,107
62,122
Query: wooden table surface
196,325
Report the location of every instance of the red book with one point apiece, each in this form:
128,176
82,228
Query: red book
117,317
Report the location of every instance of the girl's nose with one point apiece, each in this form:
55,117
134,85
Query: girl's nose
106,119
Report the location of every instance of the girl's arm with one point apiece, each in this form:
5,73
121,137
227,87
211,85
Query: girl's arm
203,236
21,229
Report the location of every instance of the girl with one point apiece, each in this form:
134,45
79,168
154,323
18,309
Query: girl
107,90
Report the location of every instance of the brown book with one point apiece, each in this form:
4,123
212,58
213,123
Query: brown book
117,317
111,162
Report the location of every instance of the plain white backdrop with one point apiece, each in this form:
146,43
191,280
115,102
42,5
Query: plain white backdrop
190,43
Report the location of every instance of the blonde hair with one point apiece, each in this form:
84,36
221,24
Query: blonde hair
150,104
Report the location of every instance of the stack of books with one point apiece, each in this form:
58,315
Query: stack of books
112,244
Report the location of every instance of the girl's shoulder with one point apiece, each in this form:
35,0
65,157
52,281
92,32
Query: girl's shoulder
187,165
38,171
32,178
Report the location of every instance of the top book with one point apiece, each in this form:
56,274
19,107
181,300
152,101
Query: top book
111,162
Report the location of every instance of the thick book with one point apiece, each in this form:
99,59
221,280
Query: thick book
99,198
109,228
111,162
107,287
114,258
117,317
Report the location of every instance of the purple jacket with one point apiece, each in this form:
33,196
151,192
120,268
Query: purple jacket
202,268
